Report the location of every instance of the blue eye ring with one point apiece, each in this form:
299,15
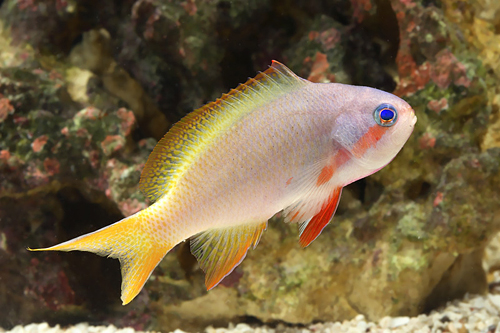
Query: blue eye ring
385,115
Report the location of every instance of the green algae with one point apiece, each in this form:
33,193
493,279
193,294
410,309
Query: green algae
412,223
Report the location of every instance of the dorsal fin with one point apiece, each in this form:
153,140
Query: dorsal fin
193,133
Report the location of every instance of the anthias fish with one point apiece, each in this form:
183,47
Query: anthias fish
276,143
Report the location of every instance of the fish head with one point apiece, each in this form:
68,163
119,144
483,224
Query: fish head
373,125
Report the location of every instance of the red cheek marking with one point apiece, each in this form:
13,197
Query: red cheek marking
289,181
368,140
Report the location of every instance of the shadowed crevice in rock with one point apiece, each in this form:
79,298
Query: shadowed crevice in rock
94,53
65,287
88,283
269,29
96,279
466,275
371,48
418,189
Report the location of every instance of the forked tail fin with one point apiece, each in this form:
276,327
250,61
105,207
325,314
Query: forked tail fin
129,240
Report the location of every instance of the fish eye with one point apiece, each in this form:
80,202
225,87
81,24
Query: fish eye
385,115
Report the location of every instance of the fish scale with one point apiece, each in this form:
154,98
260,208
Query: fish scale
276,143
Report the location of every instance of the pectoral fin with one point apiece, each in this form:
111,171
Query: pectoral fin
219,251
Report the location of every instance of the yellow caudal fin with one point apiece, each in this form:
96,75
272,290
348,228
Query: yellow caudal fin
128,240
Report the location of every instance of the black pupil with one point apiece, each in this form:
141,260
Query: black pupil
386,115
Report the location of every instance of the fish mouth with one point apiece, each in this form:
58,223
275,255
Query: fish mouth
410,122
413,118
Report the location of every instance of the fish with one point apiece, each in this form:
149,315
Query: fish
275,144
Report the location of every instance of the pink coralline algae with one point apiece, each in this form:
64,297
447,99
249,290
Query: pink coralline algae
427,141
319,67
35,177
61,5
8,161
413,77
4,155
89,113
27,4
440,65
328,38
5,108
94,158
438,105
20,120
360,7
84,133
313,35
408,3
448,69
54,75
112,143
65,131
438,199
190,7
149,30
51,166
444,71
38,143
475,163
130,206
53,291
127,120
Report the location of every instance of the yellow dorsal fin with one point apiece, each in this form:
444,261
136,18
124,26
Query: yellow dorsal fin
219,251
192,134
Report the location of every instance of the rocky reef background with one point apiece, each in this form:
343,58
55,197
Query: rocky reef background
87,87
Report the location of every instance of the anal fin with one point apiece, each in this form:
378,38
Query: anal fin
219,251
311,229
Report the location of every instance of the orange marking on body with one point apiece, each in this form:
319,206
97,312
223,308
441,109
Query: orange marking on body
325,175
320,220
327,172
369,139
289,181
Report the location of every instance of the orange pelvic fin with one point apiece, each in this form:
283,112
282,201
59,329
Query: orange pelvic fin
219,251
311,229
127,240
